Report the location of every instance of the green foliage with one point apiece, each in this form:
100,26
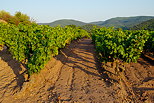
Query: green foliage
22,17
16,19
149,45
35,44
89,27
114,44
147,25
6,16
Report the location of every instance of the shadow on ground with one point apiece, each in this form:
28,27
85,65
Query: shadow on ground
16,68
86,48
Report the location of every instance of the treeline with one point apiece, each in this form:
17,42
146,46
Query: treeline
17,18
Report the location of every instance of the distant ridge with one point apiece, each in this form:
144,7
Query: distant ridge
146,25
64,22
97,23
124,22
118,22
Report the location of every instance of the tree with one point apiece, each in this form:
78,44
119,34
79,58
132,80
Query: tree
5,16
22,17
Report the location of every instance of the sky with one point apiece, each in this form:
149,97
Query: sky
45,11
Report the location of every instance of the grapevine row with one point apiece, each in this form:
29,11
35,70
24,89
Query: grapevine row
34,44
126,45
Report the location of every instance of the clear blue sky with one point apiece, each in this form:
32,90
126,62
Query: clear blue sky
83,10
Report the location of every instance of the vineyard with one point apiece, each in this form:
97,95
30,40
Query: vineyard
34,45
80,73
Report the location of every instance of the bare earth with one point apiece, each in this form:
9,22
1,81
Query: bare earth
75,76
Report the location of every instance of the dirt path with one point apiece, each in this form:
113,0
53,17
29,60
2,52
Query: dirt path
75,76
79,80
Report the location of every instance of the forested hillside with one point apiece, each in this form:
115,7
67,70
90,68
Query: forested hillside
147,25
118,22
64,22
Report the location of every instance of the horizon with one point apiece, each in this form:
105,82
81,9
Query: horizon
86,11
95,21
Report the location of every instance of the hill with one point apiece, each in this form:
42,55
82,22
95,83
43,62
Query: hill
123,22
97,23
147,25
64,22
118,22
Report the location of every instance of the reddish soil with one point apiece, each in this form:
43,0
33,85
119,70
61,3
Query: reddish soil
75,76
